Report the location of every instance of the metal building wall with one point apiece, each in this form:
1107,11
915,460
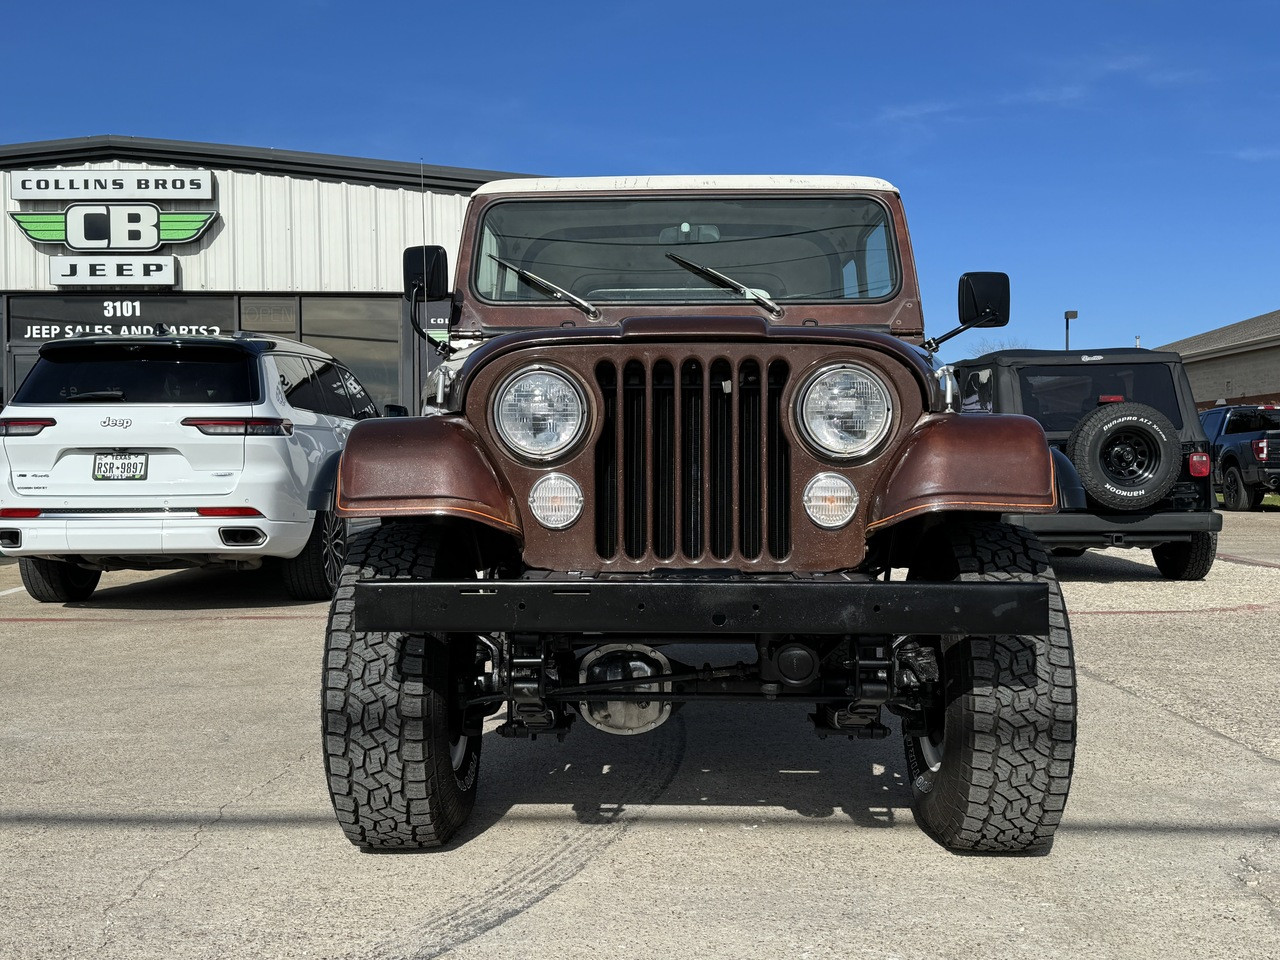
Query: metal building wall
274,234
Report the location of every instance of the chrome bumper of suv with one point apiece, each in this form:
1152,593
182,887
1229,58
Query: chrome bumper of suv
110,535
702,608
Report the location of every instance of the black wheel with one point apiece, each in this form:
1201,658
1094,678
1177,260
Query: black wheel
1236,494
54,581
402,769
1187,561
313,574
1128,455
993,769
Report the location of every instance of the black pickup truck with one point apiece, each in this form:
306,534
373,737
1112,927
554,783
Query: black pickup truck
1246,452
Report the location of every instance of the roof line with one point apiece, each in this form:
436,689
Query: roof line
41,153
701,182
1230,338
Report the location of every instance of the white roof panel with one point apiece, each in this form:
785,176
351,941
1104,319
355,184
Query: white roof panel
694,182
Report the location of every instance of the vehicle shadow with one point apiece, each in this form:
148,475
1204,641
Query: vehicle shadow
728,765
1109,567
196,589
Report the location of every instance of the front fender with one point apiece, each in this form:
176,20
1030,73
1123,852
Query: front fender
991,463
423,466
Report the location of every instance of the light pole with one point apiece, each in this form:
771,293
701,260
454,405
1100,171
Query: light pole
1068,316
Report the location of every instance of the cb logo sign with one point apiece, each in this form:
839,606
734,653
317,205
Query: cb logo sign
113,226
123,227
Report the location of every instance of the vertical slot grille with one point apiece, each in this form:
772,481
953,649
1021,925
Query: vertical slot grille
750,467
720,445
664,460
606,485
692,471
692,460
635,489
779,466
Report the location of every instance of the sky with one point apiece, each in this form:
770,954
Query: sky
1120,159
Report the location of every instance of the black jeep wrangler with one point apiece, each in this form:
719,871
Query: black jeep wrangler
1130,456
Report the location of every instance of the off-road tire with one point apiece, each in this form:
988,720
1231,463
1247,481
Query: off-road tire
1236,494
401,774
1187,561
313,574
53,581
1128,455
1005,724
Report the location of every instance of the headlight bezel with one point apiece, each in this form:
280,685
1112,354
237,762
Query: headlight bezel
562,450
866,450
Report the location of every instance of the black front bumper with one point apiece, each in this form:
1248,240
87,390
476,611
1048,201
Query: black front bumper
702,609
1118,530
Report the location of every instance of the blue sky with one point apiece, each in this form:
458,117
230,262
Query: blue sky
1119,159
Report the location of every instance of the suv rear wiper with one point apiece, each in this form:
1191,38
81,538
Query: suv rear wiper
728,283
97,395
560,293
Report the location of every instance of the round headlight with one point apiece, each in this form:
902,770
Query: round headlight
844,411
830,500
539,413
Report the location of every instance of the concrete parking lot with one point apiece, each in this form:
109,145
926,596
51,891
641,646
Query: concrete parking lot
163,797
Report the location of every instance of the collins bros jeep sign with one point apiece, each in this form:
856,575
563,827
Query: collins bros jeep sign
113,213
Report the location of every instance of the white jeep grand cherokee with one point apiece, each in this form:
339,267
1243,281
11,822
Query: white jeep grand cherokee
147,453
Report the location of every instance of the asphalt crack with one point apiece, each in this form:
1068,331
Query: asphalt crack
1256,875
1157,705
197,840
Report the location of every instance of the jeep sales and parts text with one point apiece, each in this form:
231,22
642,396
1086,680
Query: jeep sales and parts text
56,331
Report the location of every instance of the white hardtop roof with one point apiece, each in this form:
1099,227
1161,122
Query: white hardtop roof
695,182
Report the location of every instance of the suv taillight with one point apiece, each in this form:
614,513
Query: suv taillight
18,513
24,428
1198,464
250,427
1260,450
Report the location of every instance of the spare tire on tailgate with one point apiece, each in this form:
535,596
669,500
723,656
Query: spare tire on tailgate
1128,455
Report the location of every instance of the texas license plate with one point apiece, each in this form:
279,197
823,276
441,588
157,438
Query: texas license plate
119,466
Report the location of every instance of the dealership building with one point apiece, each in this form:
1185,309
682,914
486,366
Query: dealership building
117,235
1236,363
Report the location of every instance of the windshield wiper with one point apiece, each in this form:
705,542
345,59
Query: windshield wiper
97,395
728,283
560,293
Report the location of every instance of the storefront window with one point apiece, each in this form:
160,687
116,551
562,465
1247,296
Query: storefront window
362,332
278,315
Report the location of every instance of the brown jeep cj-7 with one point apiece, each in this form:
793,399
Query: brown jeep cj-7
688,418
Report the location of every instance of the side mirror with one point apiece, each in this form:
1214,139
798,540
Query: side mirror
984,299
394,410
426,273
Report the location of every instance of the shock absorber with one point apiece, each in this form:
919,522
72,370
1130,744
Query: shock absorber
528,712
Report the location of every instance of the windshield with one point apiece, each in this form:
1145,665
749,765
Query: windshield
615,250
